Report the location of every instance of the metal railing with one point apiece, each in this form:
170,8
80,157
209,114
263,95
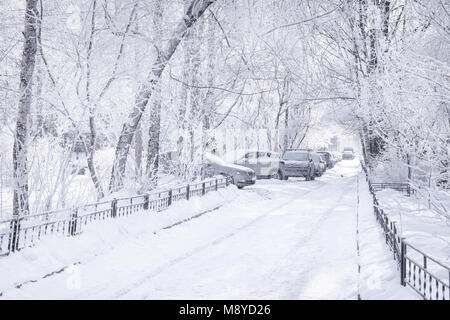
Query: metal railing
18,233
402,187
424,274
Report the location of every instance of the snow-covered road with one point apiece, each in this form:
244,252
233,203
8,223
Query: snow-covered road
275,240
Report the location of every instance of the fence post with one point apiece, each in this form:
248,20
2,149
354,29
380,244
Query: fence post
73,222
386,227
114,208
408,190
14,229
203,188
146,201
217,185
403,262
169,201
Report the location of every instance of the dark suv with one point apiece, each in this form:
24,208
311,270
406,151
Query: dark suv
297,163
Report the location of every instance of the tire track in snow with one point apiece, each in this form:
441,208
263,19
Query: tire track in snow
199,249
305,239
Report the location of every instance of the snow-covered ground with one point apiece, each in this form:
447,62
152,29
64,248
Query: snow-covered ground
275,240
421,226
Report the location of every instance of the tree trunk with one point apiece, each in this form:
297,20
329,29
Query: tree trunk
91,144
20,197
195,10
37,124
207,106
195,97
138,151
138,140
286,129
155,115
153,138
181,121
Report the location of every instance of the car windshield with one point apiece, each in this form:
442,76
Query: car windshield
296,155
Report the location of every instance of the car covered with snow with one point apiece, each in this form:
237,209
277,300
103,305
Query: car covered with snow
319,164
348,155
240,176
328,158
266,164
297,163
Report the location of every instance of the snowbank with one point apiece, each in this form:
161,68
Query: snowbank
55,253
422,227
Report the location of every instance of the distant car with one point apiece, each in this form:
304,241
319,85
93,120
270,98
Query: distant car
240,176
297,163
266,164
348,149
348,155
319,164
328,158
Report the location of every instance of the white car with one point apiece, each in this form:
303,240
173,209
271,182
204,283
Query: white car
348,155
266,164
240,176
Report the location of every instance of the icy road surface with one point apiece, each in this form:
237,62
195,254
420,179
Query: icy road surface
290,239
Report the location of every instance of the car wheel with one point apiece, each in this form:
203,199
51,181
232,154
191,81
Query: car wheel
310,175
240,187
276,175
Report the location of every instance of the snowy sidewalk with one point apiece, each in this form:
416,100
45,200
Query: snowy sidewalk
380,275
275,240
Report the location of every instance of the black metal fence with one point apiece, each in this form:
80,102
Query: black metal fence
418,270
21,232
402,187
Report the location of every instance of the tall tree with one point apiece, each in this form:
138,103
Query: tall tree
155,112
20,149
91,144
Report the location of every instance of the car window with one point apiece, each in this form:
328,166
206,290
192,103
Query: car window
263,155
296,155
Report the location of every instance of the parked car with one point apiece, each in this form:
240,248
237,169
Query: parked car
297,163
349,149
319,164
337,156
240,176
348,155
328,158
266,164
